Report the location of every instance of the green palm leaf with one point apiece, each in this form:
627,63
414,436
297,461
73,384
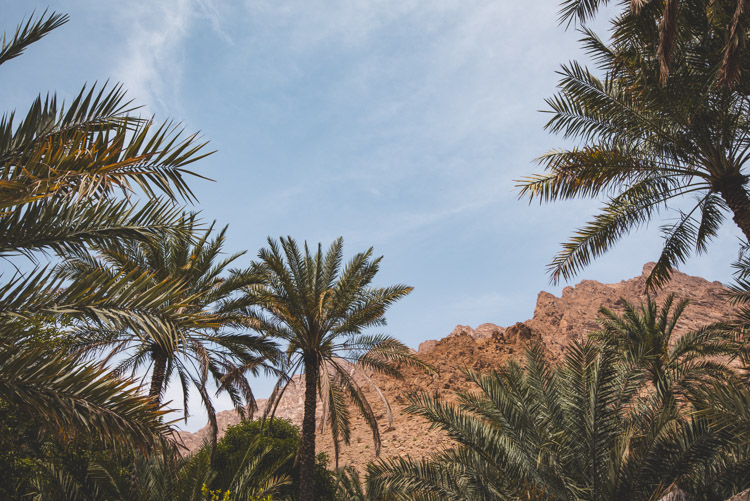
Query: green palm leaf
70,398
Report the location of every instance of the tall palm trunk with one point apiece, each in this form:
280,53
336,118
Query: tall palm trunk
307,448
157,378
732,190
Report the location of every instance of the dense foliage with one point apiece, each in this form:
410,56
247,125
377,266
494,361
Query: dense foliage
282,438
62,168
634,412
605,424
206,335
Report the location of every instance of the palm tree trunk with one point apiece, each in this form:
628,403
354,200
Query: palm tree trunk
157,378
307,448
732,190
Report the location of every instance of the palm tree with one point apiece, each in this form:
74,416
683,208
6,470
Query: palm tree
646,337
739,296
61,168
320,311
203,315
583,430
647,144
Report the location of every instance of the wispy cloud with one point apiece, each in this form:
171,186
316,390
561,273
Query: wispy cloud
152,67
431,101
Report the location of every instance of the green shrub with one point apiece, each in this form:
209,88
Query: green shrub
282,438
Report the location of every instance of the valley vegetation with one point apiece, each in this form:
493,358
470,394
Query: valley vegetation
140,295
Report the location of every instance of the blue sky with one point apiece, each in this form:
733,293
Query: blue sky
397,124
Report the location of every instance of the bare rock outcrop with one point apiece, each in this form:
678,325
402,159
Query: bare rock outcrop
573,315
426,346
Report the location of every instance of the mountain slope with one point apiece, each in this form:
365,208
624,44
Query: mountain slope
556,321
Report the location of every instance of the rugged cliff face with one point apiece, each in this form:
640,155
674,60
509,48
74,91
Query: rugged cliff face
556,321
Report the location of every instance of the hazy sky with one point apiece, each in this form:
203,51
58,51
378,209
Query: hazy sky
397,124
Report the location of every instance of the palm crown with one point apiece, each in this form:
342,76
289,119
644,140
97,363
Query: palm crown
649,146
197,336
646,336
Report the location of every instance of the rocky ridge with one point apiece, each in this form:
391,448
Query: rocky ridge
556,321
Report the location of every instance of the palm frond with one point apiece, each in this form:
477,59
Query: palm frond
33,30
95,146
68,226
71,399
666,104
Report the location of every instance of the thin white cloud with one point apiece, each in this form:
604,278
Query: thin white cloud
152,67
399,226
211,11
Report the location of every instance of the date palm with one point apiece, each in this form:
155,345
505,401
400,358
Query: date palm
675,364
203,338
61,168
583,430
649,147
321,311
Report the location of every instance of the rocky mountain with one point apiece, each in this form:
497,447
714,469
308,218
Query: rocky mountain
556,321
